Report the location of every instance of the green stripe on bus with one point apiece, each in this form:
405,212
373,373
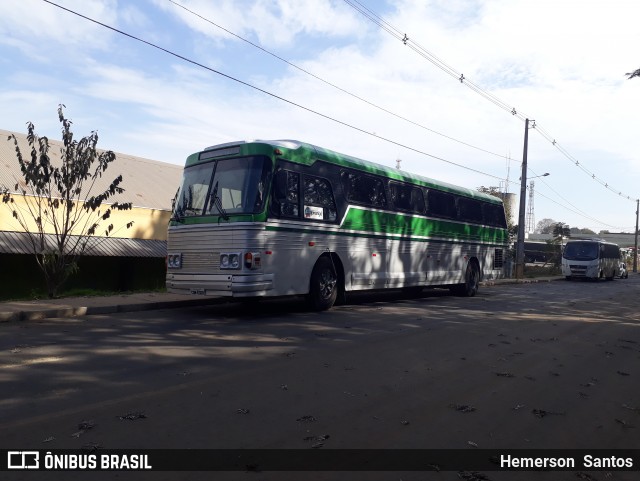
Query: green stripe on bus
325,232
409,226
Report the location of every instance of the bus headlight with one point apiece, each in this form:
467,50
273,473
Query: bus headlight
229,260
174,260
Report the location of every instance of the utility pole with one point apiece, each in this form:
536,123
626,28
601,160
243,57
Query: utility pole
635,252
523,201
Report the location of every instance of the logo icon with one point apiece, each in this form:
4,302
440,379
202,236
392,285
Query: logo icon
23,459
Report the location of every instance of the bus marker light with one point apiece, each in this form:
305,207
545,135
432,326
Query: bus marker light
268,252
311,243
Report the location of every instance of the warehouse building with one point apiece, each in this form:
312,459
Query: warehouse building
128,259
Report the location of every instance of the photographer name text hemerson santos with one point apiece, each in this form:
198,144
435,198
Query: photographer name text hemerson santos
587,461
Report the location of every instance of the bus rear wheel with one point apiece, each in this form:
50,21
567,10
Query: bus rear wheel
471,282
323,288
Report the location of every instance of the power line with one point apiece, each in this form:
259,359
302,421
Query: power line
288,101
574,209
246,84
396,33
291,64
564,152
426,54
386,26
580,213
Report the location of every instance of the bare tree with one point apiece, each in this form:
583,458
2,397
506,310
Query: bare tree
58,209
545,226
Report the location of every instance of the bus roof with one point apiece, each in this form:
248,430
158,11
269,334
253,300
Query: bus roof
307,154
599,240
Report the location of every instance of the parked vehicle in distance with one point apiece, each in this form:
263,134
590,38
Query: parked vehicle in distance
591,258
624,274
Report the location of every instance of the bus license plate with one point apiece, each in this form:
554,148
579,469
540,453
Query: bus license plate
197,291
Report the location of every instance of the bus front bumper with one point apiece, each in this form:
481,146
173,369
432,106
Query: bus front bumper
578,270
220,284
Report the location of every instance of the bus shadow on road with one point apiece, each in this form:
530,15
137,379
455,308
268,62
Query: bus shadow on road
256,308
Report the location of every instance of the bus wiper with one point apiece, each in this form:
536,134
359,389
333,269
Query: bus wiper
218,202
175,210
178,215
178,218
223,213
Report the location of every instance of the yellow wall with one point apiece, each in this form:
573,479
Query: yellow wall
147,223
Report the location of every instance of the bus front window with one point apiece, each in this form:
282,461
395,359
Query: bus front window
193,191
581,251
227,186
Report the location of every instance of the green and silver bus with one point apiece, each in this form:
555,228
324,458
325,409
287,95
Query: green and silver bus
281,218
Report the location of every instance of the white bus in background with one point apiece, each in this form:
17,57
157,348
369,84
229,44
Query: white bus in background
591,258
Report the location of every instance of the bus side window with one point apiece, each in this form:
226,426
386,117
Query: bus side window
441,204
470,210
286,194
609,251
364,189
318,199
494,215
406,197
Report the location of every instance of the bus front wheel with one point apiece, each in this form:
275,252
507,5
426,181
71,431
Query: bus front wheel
323,289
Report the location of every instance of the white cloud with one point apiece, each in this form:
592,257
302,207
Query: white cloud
40,23
272,23
561,62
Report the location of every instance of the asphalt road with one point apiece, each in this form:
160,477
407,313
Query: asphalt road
549,365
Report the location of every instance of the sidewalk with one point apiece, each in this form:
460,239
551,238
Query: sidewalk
37,310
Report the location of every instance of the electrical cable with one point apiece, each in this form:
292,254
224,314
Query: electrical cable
246,84
583,215
574,209
291,64
186,59
372,16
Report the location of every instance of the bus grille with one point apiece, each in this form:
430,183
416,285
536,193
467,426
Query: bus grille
498,259
578,270
203,262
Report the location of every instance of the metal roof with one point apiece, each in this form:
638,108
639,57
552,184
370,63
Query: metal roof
147,183
20,243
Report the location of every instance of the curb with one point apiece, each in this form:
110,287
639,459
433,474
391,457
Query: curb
68,312
519,281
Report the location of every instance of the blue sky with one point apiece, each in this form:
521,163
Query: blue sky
562,62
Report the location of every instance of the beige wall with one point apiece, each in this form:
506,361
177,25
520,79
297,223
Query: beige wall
147,223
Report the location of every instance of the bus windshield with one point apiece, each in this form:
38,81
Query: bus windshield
581,251
223,187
